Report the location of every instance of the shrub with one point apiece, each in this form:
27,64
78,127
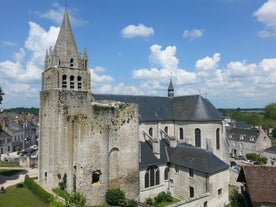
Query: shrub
37,190
149,201
76,199
20,185
131,203
160,197
115,197
2,190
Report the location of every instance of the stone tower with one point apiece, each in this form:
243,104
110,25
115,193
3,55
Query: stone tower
86,146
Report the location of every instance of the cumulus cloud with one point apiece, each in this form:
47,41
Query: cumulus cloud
56,14
140,30
193,34
267,15
208,63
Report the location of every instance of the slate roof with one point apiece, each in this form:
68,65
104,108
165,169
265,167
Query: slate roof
182,155
13,127
260,182
4,135
147,156
243,135
181,108
271,149
197,159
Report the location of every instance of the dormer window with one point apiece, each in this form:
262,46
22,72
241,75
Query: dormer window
242,137
71,62
252,139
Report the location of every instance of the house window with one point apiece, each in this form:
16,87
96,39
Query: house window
181,133
219,191
150,131
166,173
192,192
217,139
79,82
72,83
177,169
197,137
96,176
166,129
71,62
152,176
191,173
64,81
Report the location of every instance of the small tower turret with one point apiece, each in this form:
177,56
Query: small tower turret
170,89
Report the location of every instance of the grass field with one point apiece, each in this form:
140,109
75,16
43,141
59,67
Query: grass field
20,197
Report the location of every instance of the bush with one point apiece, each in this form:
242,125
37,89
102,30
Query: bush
131,203
20,185
161,197
255,157
2,190
76,199
115,197
149,201
37,190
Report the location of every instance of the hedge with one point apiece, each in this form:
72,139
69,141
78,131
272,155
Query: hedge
37,190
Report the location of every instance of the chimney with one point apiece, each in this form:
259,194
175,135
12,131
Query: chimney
173,142
155,147
234,125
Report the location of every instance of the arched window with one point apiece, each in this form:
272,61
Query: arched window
217,139
166,129
79,82
152,176
181,133
197,137
64,81
71,62
166,173
72,82
151,131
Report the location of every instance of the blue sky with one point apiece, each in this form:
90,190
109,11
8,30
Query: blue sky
224,50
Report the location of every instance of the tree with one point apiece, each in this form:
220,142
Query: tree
270,111
1,95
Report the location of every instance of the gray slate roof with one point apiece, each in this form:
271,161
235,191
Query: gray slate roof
243,135
197,159
181,108
182,155
271,149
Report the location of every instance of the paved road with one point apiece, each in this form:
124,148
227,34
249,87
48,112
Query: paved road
6,181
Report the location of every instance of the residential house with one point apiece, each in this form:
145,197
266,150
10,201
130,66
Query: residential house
270,154
243,140
259,185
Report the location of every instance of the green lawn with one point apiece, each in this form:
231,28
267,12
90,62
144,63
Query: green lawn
20,197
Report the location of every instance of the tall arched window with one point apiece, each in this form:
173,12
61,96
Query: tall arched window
151,131
71,62
64,81
217,139
79,82
152,176
166,173
181,133
166,129
72,82
197,137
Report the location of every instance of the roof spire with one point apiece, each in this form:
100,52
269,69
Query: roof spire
66,48
171,89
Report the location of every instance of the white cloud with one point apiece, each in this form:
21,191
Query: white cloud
9,43
208,63
164,58
240,69
193,34
140,30
267,15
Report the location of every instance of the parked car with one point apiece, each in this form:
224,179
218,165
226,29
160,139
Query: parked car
233,163
236,168
246,161
239,157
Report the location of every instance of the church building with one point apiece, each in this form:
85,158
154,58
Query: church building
144,145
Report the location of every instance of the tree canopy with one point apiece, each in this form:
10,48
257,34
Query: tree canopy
270,111
1,95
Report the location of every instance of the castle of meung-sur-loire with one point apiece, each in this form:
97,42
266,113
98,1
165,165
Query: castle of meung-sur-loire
141,144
